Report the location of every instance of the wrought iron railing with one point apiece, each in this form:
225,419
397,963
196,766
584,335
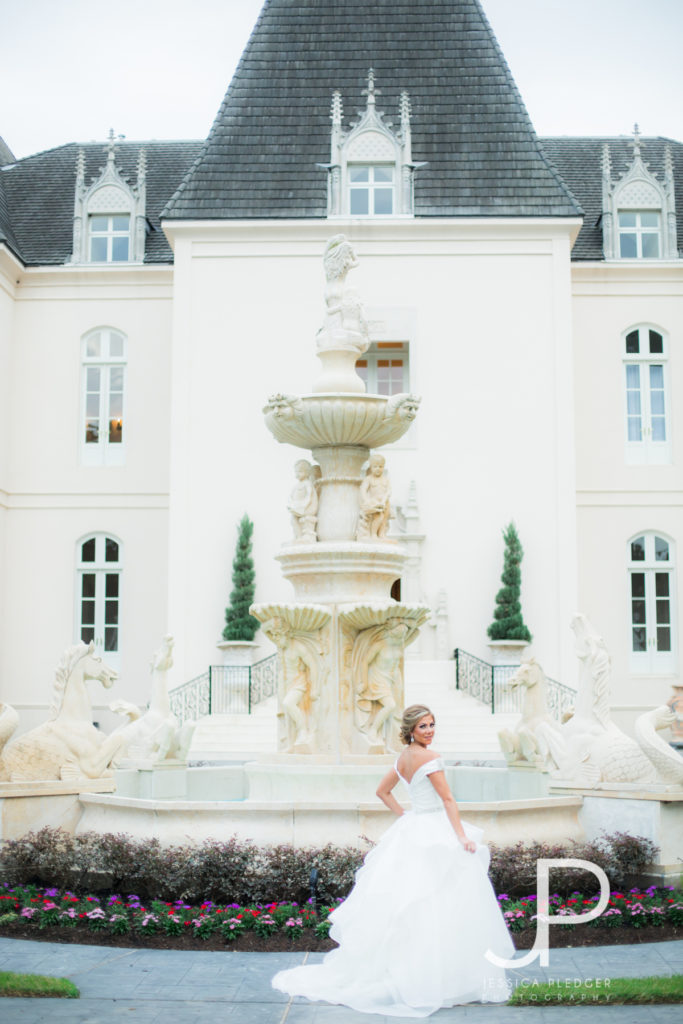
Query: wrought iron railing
225,689
488,684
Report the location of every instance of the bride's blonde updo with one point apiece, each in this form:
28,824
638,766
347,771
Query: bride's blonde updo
411,716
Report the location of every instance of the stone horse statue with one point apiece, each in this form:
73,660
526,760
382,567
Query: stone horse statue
536,739
67,746
155,733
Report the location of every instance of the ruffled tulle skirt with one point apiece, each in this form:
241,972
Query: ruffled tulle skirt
414,931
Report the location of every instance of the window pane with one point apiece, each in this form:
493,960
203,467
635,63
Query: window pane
120,223
92,378
115,346
116,378
633,376
92,406
662,584
628,247
111,638
638,550
92,431
632,342
359,174
634,429
633,403
87,634
111,612
358,202
88,584
663,638
661,552
88,613
88,551
656,343
99,223
115,431
638,584
119,250
98,250
656,376
657,403
93,346
384,201
663,616
658,429
639,639
111,588
384,174
111,550
638,611
649,220
650,246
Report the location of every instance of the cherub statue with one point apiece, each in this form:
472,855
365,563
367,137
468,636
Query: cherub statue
303,503
375,494
345,325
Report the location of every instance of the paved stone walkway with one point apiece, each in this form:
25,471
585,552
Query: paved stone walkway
178,987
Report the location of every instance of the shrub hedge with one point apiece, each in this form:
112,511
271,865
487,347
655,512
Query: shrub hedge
238,871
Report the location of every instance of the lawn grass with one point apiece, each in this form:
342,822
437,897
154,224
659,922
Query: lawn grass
30,985
600,992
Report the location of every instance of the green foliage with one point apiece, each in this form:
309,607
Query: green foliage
508,623
599,992
239,624
21,986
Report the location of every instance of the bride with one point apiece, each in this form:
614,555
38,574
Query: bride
414,931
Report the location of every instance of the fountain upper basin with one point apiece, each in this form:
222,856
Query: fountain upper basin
323,420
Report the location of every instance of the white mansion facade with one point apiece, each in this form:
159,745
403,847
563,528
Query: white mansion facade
154,294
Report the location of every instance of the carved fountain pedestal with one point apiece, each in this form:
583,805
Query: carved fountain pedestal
342,641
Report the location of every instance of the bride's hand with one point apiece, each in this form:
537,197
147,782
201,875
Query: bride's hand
468,845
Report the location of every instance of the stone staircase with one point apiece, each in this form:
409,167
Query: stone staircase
465,729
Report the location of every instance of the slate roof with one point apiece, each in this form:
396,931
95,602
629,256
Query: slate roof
579,162
468,120
37,195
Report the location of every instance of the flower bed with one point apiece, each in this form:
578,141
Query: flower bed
62,913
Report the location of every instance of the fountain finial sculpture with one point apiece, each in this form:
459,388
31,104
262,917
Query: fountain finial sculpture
343,689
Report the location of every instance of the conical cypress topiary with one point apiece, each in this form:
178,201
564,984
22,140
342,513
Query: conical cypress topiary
239,624
508,623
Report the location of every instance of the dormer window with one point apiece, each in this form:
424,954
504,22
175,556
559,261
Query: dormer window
109,214
370,173
638,210
109,238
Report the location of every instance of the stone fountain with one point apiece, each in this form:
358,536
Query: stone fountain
342,641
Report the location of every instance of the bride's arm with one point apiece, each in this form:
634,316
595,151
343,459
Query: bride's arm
386,796
438,781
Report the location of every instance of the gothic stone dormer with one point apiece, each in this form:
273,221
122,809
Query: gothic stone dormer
109,214
370,173
638,210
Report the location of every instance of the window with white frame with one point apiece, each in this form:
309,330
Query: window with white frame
109,238
651,596
103,395
384,368
647,403
639,234
371,190
98,594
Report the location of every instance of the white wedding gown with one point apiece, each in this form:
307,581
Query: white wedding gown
414,931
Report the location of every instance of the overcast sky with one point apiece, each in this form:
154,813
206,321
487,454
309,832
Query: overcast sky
72,69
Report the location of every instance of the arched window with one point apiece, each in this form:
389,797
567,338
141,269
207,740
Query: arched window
652,592
103,357
98,594
645,352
